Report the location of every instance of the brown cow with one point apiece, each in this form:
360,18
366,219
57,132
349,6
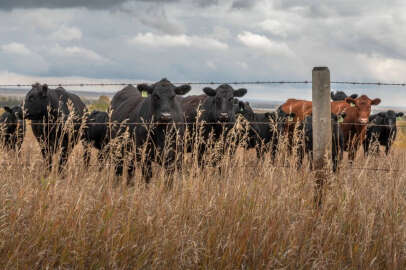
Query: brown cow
301,108
355,122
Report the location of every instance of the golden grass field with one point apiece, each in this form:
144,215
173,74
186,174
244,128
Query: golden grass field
248,215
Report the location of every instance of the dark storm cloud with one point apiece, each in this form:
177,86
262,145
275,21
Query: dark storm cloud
90,4
243,4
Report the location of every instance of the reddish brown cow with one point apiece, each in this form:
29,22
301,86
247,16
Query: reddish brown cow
355,122
301,108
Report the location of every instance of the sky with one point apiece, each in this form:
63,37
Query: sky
61,41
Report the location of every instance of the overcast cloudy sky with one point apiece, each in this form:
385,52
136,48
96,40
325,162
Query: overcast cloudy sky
206,40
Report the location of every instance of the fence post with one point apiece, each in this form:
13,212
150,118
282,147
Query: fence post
321,127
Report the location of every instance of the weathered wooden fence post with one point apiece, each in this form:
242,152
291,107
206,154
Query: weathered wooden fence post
321,127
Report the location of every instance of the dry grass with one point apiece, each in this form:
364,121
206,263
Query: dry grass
248,215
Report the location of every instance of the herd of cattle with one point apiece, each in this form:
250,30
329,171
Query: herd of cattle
155,116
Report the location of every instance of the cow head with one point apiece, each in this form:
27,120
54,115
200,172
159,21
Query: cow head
36,102
387,118
245,110
164,105
10,118
223,101
281,119
340,95
363,107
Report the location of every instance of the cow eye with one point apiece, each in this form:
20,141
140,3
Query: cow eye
230,99
172,97
155,97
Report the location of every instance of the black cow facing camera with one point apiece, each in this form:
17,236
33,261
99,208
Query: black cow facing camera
217,111
49,111
381,130
162,119
12,128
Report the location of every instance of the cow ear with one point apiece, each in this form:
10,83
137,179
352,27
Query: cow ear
376,101
209,91
400,114
240,92
183,89
350,100
354,96
44,90
7,109
145,88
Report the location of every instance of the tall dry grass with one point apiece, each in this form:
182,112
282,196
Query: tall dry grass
246,214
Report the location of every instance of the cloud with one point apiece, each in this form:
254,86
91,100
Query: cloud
264,44
67,34
274,27
90,4
15,48
155,40
243,4
75,51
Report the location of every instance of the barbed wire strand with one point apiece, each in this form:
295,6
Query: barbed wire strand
117,124
111,165
208,83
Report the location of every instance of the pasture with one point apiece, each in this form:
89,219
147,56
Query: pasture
249,214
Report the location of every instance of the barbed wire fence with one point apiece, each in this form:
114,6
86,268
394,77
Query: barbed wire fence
271,82
207,83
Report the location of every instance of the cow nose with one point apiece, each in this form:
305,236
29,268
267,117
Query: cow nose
166,116
223,116
363,120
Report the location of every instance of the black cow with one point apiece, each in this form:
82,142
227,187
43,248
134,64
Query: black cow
163,119
56,117
340,95
337,140
96,134
381,130
217,110
12,126
265,128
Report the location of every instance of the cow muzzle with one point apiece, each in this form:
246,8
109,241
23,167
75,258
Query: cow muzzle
223,117
363,121
166,117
